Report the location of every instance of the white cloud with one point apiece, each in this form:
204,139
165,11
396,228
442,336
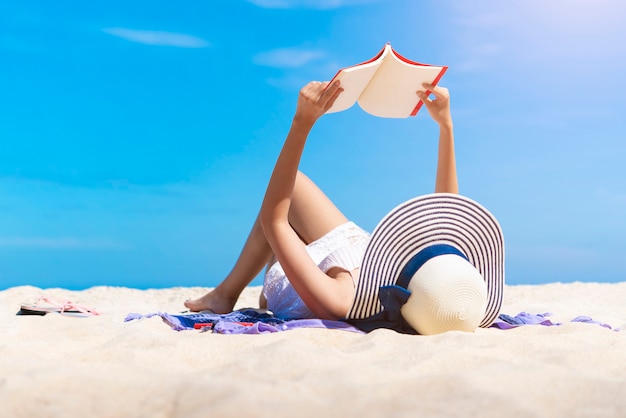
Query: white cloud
160,38
307,4
288,57
59,243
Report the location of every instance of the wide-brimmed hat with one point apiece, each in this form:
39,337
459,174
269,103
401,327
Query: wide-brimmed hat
430,239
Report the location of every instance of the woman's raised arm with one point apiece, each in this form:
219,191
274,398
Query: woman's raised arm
439,110
327,297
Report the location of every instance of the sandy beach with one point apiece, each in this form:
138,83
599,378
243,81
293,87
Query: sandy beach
104,367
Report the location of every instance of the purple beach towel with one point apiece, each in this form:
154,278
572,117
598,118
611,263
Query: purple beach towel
240,322
251,321
505,321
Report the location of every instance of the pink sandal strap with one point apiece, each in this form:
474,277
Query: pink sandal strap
69,306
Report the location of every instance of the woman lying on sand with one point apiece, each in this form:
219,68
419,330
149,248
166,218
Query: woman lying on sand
321,265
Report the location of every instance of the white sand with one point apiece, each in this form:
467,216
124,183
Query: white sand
102,367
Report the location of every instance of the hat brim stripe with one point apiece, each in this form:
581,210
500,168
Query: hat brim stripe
423,221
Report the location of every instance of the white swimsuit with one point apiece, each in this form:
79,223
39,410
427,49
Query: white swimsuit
342,247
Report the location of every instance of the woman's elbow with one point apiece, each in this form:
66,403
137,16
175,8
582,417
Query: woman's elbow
335,307
331,313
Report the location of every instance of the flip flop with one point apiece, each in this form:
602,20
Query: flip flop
46,305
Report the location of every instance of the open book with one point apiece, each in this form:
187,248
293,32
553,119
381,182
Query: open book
385,85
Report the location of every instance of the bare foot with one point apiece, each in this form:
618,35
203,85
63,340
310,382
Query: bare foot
212,301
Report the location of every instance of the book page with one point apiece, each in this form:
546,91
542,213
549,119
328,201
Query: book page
391,93
353,81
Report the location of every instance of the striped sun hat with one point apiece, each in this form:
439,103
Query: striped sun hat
418,230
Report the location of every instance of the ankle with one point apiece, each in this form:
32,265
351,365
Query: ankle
225,295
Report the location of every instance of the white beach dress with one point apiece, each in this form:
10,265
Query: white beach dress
342,247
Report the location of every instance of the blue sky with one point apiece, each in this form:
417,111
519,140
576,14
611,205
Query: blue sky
136,138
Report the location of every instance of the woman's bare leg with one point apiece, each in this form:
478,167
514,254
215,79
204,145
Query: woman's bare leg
255,254
312,215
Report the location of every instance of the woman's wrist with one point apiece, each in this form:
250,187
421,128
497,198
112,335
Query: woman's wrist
302,122
446,125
